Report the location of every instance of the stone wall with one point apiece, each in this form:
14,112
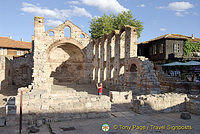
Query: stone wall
74,51
168,102
175,84
117,65
56,105
120,97
6,71
22,70
193,104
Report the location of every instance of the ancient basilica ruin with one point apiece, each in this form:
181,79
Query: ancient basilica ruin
58,77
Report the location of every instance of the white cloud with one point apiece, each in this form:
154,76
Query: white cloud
142,5
55,13
105,5
53,23
80,12
179,14
163,29
180,7
73,2
26,7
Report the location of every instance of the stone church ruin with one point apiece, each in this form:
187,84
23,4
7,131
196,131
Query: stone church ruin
58,78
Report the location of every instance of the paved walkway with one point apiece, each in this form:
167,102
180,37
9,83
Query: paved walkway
121,119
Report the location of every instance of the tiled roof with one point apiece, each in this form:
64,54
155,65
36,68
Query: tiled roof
9,43
172,36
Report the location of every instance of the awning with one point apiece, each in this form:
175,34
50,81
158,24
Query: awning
190,63
174,64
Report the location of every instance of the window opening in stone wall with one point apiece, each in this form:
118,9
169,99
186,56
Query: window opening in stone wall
51,33
82,36
133,68
113,47
93,72
122,45
112,73
99,50
104,74
99,75
94,50
105,50
121,71
67,31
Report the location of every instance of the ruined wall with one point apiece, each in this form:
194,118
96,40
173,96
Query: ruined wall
53,52
22,70
116,64
111,52
5,73
168,102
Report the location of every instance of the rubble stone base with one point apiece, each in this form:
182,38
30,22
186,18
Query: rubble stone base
167,102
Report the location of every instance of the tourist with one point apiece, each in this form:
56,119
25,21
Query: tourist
100,88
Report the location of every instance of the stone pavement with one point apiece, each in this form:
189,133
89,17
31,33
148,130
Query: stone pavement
120,115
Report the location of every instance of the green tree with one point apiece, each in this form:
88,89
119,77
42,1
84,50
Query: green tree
107,23
190,47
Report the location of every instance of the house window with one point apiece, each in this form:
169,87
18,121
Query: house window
150,51
3,51
154,49
18,52
161,48
176,48
22,52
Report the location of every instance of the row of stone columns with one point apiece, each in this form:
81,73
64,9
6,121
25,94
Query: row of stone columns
114,51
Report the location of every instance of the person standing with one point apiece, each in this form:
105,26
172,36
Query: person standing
100,88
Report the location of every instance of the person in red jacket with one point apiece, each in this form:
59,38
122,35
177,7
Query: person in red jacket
100,88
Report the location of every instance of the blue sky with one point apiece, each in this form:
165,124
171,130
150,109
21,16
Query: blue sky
158,16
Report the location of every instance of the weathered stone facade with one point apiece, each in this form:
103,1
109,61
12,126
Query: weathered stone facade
168,102
58,58
22,71
57,62
5,73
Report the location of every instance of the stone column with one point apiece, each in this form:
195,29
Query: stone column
101,59
131,34
117,57
127,55
96,60
130,49
108,56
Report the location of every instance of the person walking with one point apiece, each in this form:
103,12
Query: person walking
100,88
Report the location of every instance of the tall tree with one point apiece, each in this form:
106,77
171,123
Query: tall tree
107,23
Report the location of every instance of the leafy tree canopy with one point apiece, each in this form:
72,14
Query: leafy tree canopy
190,47
107,23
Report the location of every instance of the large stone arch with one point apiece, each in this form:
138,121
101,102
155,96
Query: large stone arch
66,61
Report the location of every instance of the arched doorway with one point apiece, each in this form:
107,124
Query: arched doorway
66,61
132,75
